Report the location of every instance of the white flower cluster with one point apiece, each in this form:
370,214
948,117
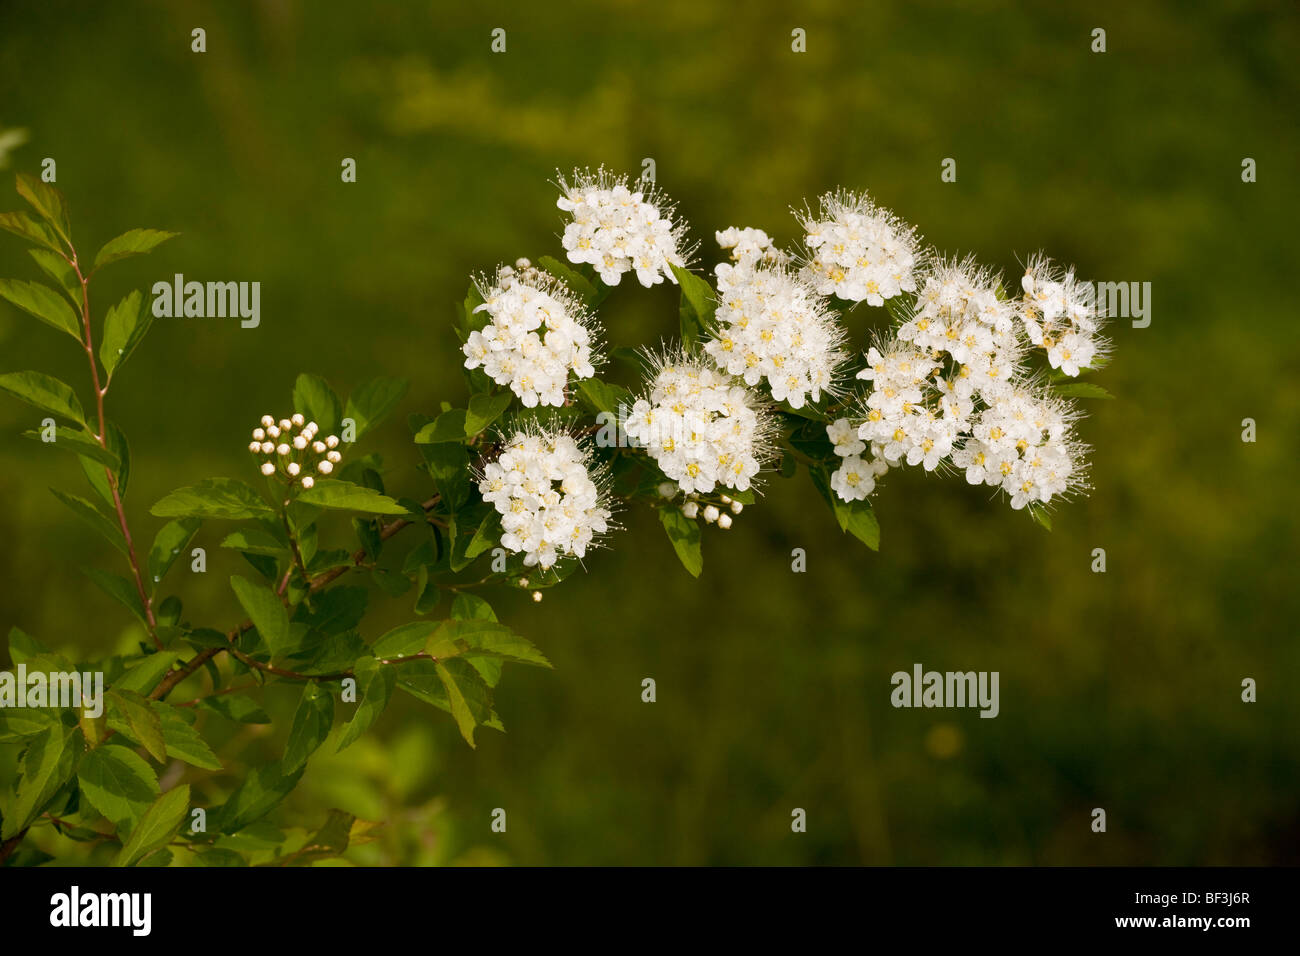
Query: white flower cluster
951,386
617,230
294,456
1023,443
772,324
858,250
1061,316
701,426
551,502
538,333
856,476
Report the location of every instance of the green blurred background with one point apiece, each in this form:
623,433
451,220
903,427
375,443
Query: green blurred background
1118,690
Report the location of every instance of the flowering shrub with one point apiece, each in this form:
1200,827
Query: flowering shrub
519,484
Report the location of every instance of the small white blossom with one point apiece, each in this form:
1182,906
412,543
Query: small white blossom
537,334
857,250
1061,316
702,427
710,513
268,469
724,521
618,230
551,500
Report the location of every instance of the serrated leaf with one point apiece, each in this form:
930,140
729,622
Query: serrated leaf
57,268
134,242
447,427
405,640
118,783
576,281
33,230
47,765
684,533
697,306
265,610
314,398
39,300
336,494
237,707
223,498
311,725
167,546
160,823
375,683
17,724
23,647
48,203
145,726
484,410
92,516
44,392
119,589
468,696
372,401
76,440
259,794
482,638
124,328
144,676
604,397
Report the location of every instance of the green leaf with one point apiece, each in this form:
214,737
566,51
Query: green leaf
38,299
405,640
697,306
183,741
124,328
78,441
255,541
372,401
468,696
23,647
449,426
339,495
48,203
145,726
375,683
33,230
57,268
482,638
213,498
449,466
118,783
136,242
17,724
167,546
43,392
684,533
266,612
96,475
311,725
577,283
858,518
144,676
1081,390
471,607
259,794
119,589
604,397
160,823
46,766
331,840
484,410
92,516
314,398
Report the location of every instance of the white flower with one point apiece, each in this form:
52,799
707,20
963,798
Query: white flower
268,469
537,334
710,513
325,467
857,250
255,447
691,509
1023,443
292,468
774,327
724,521
844,436
618,230
1061,316
748,247
297,420
293,455
856,477
308,481
551,500
701,426
737,507
267,421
